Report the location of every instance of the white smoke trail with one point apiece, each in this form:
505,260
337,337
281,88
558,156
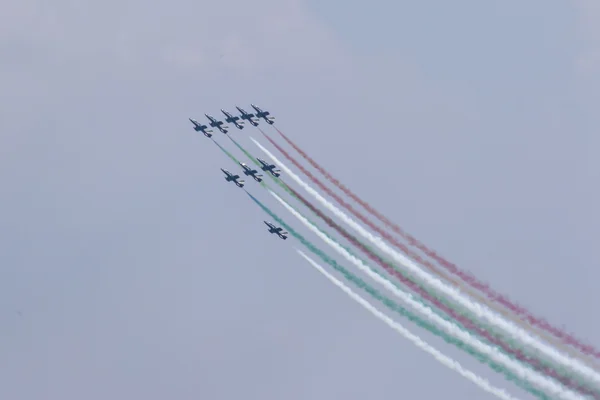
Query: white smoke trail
439,356
479,310
523,372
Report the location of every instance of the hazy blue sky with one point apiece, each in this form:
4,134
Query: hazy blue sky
130,269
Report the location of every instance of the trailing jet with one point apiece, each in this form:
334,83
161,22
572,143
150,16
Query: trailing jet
264,115
233,120
233,178
198,127
251,172
278,231
217,124
269,168
248,116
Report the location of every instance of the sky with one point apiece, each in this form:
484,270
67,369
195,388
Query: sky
130,269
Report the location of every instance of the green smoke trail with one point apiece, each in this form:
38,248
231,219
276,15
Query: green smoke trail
224,150
418,298
254,160
401,310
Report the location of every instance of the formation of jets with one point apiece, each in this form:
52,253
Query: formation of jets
238,122
229,177
248,171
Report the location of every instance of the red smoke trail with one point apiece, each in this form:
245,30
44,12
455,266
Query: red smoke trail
523,313
466,322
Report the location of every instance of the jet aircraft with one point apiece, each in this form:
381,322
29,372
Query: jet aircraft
233,178
251,172
264,115
198,127
278,231
217,124
247,116
269,168
233,120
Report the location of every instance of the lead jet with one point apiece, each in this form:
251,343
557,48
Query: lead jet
217,124
278,231
264,115
233,178
251,172
269,168
198,127
247,116
233,120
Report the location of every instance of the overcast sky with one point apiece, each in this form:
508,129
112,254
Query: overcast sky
130,269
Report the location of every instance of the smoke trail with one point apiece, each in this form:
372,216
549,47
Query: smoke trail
522,312
494,306
507,374
450,328
442,358
290,190
540,365
224,150
254,160
422,323
355,241
479,310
